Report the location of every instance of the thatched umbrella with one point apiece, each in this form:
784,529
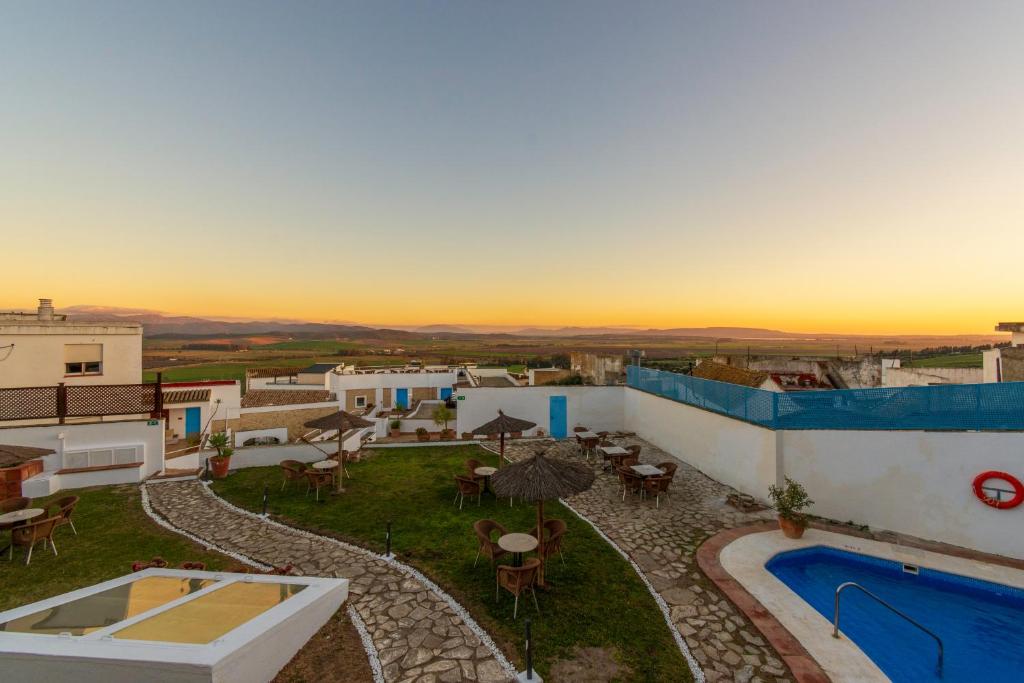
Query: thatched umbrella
12,456
343,422
538,479
501,425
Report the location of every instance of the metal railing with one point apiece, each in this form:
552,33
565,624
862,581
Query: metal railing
948,407
851,584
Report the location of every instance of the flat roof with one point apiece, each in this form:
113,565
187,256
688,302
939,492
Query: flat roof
1010,327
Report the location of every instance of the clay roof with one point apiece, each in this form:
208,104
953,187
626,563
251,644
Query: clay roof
720,372
270,372
260,398
187,396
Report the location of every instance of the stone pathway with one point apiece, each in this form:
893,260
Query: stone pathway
663,542
419,637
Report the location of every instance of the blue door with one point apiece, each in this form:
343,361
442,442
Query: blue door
402,397
446,393
191,421
558,412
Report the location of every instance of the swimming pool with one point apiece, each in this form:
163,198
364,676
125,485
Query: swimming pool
980,623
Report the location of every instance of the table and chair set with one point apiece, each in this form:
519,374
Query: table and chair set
29,526
644,480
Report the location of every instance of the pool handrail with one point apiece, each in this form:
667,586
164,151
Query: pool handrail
852,584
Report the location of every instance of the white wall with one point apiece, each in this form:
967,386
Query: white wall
37,358
599,408
380,381
78,437
731,451
990,365
917,483
915,377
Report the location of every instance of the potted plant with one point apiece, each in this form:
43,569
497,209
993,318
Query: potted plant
396,427
422,434
221,462
467,436
789,502
442,415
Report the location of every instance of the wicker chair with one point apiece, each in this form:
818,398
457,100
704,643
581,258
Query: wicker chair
65,507
629,460
293,470
657,487
669,468
516,580
471,466
13,505
28,535
556,529
483,529
464,486
634,450
316,479
580,428
631,481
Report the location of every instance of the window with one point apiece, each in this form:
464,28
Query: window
360,401
83,359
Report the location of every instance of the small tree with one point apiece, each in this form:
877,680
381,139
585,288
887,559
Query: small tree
220,442
442,416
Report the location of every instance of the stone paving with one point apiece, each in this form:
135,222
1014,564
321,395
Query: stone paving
663,542
418,636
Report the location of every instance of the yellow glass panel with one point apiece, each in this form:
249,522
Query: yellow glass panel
210,616
106,608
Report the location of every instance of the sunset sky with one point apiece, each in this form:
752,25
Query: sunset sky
842,167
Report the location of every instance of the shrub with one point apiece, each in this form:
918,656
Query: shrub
790,501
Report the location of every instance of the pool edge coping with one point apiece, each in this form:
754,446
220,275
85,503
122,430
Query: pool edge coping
798,660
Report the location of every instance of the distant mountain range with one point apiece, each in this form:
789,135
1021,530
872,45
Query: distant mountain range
158,324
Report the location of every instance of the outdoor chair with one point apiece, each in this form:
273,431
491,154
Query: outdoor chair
634,450
293,470
631,481
483,529
630,460
28,535
315,479
669,468
657,487
197,566
467,487
471,466
13,505
556,529
516,580
579,428
65,507
157,562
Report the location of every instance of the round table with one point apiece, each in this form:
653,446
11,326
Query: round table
517,544
21,515
486,473
325,464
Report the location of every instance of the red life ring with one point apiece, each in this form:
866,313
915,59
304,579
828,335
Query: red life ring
1018,490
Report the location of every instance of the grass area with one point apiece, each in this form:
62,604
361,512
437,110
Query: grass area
953,360
596,600
113,532
318,345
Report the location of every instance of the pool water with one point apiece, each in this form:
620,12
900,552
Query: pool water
981,624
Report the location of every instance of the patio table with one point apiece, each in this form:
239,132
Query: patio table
613,450
517,544
586,435
330,465
486,473
17,517
647,470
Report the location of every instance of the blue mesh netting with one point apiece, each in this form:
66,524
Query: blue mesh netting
983,407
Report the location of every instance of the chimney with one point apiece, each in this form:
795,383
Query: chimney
45,309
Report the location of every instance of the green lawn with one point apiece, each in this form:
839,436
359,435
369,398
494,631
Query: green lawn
596,600
953,360
318,345
113,532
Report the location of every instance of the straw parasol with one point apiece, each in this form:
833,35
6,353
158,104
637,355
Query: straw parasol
501,425
12,456
343,422
538,479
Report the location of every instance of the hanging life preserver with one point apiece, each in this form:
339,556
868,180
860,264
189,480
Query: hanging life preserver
1018,490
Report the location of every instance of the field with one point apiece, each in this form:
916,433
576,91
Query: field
227,357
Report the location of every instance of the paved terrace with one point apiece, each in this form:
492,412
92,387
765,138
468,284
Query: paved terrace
664,543
416,633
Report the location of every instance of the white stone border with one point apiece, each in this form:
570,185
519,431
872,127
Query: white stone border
357,621
458,609
698,674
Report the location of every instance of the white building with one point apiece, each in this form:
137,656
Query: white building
1006,365
44,349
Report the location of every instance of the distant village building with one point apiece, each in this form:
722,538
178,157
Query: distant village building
1006,364
731,374
538,377
597,368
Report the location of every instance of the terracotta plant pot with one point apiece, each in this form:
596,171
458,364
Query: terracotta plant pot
791,529
467,436
423,437
448,435
395,433
517,435
219,466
